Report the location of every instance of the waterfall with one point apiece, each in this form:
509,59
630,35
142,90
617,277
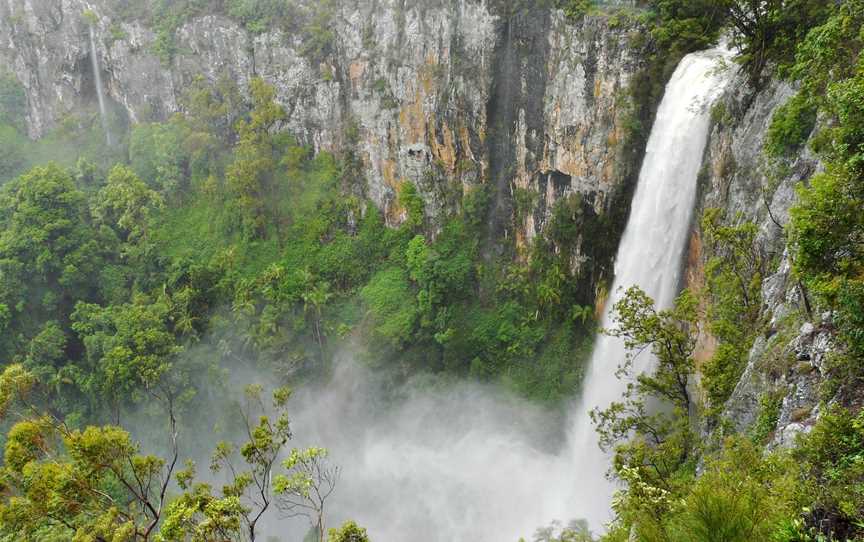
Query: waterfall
97,77
650,254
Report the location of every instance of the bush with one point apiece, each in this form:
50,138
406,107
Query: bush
832,455
742,496
790,127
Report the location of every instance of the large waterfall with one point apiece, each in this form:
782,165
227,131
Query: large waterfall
650,253
97,79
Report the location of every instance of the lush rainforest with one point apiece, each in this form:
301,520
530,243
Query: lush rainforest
137,278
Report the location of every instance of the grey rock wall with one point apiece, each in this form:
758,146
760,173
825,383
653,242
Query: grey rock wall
787,358
419,81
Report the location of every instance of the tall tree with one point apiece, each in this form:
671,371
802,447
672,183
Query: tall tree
251,175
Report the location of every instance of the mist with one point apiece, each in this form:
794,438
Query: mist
437,462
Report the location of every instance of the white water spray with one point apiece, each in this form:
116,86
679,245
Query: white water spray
650,253
97,78
470,463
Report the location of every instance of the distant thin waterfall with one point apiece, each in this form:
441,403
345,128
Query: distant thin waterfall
97,77
650,254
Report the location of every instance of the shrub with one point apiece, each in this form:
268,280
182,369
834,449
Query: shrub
790,127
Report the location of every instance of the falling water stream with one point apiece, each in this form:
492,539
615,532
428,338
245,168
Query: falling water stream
97,78
470,463
651,250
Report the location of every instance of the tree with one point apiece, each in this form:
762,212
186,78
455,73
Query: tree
826,225
665,334
743,495
830,457
315,298
319,32
652,445
213,110
198,515
90,484
13,152
304,490
13,102
131,351
253,487
125,204
93,484
49,253
250,175
736,265
348,532
392,305
159,153
681,26
769,30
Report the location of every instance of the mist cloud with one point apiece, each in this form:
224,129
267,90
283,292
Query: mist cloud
458,461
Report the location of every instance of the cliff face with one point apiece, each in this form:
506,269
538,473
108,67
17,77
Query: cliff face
445,95
786,361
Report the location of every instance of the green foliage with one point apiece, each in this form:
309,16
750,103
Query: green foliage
130,347
733,273
575,9
261,15
308,483
790,127
156,153
413,204
250,176
319,37
770,31
826,229
348,532
94,484
392,304
655,449
125,204
200,516
744,493
832,456
769,413
90,17
78,483
49,253
681,26
166,18
13,152
741,496
827,224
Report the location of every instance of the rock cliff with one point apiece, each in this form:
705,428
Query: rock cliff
786,361
445,95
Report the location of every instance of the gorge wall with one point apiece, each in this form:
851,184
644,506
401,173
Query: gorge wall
444,94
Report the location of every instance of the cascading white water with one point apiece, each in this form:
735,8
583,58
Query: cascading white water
650,253
97,78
